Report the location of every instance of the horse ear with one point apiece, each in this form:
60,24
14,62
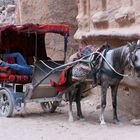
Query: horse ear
132,46
129,44
138,42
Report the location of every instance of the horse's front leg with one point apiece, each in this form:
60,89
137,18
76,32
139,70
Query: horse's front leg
78,103
103,105
114,90
71,119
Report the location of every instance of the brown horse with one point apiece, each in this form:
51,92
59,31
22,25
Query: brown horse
110,74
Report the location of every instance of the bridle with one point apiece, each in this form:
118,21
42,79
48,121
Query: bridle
120,74
132,57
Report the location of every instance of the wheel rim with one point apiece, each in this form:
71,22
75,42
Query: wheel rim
4,104
48,105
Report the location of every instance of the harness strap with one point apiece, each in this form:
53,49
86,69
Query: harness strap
124,75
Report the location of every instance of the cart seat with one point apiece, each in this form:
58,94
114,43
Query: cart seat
8,75
20,79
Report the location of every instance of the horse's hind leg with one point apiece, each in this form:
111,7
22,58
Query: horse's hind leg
103,105
114,102
78,103
71,119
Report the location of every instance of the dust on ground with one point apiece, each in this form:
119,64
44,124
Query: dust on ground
34,124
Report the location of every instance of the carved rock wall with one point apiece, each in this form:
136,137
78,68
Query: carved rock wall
101,19
116,22
50,11
7,2
7,12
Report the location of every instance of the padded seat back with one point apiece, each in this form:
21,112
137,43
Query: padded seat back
22,79
10,76
5,71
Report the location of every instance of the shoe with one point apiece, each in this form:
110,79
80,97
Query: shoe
0,61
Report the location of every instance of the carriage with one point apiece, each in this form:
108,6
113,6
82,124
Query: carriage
16,90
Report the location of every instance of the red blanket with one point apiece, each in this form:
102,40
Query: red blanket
63,81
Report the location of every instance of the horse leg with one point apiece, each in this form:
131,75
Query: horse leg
114,102
78,103
71,119
103,105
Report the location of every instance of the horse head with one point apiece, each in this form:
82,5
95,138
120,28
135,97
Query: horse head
134,56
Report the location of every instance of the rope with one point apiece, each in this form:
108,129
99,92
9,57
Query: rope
125,75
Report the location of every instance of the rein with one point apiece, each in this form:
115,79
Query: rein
132,57
125,75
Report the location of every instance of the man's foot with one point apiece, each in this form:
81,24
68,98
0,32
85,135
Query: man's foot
0,61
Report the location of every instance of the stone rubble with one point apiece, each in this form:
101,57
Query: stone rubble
7,12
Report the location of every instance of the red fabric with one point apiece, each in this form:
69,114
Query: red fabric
62,82
23,38
38,28
4,72
22,79
55,28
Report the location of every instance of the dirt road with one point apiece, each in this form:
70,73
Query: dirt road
36,125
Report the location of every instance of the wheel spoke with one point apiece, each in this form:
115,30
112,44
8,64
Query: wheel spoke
48,105
6,108
0,105
3,109
2,99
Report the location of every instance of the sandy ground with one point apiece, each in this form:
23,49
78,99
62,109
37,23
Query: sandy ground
34,124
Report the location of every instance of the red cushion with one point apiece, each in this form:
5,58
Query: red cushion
6,74
63,80
22,79
5,71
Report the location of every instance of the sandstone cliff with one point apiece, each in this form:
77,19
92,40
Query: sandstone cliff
50,11
7,12
116,22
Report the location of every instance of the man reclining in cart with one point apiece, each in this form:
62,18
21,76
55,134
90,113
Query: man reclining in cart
21,67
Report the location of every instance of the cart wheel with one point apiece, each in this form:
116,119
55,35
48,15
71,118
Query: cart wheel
6,104
49,106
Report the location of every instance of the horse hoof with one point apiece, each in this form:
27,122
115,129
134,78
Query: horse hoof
103,124
71,120
82,119
117,122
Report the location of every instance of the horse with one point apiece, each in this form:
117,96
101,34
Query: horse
110,74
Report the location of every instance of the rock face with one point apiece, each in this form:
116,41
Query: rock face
116,22
50,11
107,18
7,12
7,2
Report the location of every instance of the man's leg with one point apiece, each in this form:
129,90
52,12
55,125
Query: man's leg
19,58
18,68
